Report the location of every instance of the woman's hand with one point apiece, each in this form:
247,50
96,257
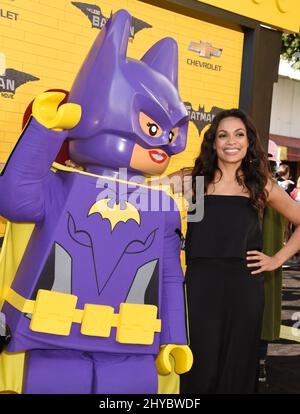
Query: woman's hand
72,164
264,262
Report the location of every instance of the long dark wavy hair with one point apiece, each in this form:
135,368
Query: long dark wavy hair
254,171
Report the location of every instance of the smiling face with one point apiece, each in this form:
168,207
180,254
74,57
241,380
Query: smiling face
155,160
231,142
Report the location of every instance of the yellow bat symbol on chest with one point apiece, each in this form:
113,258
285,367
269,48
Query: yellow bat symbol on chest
115,214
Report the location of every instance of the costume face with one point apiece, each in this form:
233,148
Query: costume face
231,141
132,114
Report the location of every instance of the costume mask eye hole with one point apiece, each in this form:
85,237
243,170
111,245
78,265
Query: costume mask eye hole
173,134
153,129
149,126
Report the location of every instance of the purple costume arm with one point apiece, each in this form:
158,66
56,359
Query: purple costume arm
25,179
173,302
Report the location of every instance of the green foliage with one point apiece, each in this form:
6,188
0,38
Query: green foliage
290,49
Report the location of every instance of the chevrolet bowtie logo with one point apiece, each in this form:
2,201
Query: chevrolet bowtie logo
205,49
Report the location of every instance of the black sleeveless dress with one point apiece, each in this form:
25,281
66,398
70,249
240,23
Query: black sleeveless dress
225,302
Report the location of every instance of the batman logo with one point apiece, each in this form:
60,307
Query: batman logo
201,118
12,79
98,20
115,214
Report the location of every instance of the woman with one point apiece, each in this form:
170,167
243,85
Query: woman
225,264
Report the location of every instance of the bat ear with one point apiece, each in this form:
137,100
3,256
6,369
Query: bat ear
111,44
117,35
163,57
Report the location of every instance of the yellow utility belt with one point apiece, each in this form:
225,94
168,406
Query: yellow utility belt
54,312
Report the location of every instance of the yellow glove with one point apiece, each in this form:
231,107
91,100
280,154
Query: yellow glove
45,110
182,355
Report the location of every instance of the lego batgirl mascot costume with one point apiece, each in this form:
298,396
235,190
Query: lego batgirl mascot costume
98,295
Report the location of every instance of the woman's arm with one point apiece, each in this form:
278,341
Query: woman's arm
285,205
179,181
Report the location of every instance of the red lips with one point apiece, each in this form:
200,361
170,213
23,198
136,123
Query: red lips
158,156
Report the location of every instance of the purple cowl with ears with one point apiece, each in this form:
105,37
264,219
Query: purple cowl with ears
113,89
